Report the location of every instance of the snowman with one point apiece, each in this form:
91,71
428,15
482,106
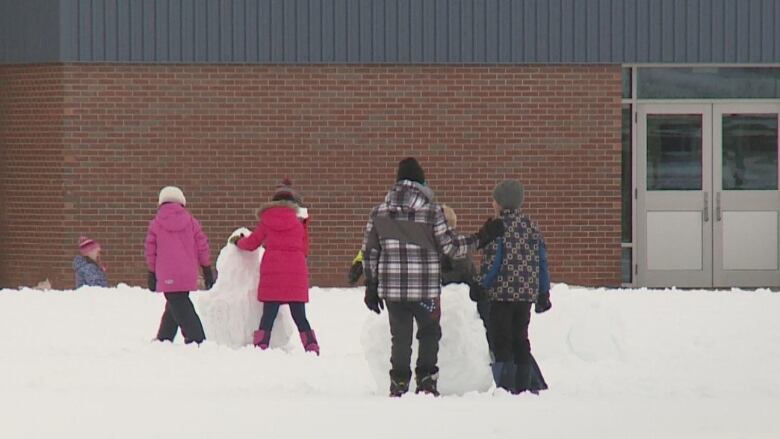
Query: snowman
230,311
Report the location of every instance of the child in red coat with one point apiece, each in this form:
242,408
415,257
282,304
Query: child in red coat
284,275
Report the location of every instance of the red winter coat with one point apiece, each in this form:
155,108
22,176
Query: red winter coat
284,275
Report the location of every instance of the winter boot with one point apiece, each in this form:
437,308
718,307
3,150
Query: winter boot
309,341
262,338
427,384
504,375
399,384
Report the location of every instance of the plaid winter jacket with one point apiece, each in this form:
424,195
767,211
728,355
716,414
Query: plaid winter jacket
404,240
522,272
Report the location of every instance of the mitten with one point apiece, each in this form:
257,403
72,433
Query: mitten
151,281
372,300
543,303
356,270
476,292
492,229
208,277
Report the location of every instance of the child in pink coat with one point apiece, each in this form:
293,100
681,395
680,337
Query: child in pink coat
284,274
175,247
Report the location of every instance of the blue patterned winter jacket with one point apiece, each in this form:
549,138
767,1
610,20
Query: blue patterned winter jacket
514,266
88,272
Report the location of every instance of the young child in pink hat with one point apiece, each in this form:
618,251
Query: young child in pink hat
87,267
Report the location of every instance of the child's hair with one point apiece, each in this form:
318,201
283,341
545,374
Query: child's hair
452,219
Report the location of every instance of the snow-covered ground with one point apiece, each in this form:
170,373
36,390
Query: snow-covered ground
655,364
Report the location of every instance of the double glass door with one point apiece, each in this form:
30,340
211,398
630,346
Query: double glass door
708,203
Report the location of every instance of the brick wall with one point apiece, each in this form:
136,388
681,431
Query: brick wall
226,134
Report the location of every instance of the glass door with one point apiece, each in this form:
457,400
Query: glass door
674,190
746,198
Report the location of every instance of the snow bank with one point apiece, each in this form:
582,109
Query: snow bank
620,363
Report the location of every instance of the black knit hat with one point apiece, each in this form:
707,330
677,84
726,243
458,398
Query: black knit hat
409,169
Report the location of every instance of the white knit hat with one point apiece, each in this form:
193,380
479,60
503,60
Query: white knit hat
172,194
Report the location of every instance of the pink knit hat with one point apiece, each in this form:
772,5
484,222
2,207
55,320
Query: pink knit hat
86,245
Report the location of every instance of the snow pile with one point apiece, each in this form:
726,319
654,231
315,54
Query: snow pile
230,311
464,360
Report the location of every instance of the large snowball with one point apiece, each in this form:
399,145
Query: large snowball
230,311
464,359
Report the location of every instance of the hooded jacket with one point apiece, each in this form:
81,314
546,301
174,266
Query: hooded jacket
89,273
175,249
284,274
404,241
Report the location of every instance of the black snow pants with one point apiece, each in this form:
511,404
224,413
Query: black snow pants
180,312
402,315
509,331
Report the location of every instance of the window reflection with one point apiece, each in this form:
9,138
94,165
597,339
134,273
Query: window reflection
674,152
707,82
749,152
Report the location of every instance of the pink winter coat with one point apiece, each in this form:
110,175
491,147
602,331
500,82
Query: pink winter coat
175,249
284,275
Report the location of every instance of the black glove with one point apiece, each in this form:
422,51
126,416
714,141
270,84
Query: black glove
235,239
372,300
492,229
446,264
151,281
355,271
476,292
543,303
208,277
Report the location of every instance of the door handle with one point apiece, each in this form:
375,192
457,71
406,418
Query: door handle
717,207
705,212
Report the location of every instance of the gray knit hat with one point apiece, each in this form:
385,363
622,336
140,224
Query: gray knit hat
509,194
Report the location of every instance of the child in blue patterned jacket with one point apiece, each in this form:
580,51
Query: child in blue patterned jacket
514,276
87,266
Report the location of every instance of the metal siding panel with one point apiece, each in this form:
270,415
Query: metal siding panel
428,30
328,31
777,34
213,30
504,31
315,31
174,30
667,31
580,31
705,32
136,30
604,53
480,31
85,30
187,31
340,30
491,31
111,30
454,31
200,28
162,24
592,30
655,32
617,37
415,31
391,30
442,31
365,42
629,31
404,31
642,31
680,52
754,52
123,39
148,37
252,26
718,38
729,31
767,31
264,29
276,30
378,31
467,31
239,33
225,22
516,31
567,30
691,40
529,30
67,30
98,24
353,30
302,31
555,24
743,30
